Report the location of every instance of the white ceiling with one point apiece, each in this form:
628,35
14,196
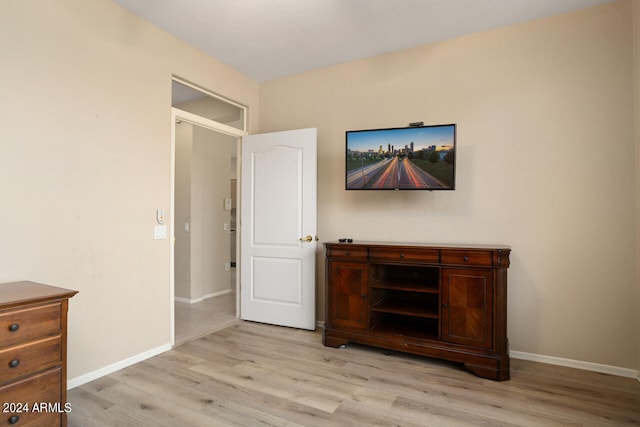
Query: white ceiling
269,39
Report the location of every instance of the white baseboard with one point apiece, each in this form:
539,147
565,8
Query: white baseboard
578,364
197,300
83,379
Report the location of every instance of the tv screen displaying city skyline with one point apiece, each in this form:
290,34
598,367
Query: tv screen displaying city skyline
411,158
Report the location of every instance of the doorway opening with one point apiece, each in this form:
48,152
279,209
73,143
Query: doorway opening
204,196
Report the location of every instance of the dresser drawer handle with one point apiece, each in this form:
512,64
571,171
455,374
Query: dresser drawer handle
465,259
347,253
14,419
14,363
401,255
14,327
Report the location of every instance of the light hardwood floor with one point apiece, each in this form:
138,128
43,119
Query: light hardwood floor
252,374
197,320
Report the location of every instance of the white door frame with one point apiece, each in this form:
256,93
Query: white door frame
194,119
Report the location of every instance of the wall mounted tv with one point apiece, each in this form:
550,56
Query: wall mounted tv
411,158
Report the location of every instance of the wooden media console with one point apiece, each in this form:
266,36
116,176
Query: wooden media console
442,301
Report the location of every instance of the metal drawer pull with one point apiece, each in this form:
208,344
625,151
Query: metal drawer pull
14,419
465,259
14,363
14,327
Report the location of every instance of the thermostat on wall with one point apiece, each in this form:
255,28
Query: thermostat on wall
160,216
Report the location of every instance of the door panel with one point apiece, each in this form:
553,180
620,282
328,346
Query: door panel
277,196
278,211
467,307
349,304
286,270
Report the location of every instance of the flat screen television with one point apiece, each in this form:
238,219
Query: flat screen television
410,158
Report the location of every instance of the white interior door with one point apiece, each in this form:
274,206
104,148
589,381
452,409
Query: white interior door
278,219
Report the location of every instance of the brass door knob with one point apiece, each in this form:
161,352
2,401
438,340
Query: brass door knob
306,239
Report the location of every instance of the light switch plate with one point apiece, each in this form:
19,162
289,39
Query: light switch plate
160,232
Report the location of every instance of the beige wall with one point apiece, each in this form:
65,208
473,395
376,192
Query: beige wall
545,163
86,121
211,174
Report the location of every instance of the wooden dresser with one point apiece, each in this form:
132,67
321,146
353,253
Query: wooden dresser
442,301
33,354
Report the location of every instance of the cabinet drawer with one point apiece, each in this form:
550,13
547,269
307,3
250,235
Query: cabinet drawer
19,326
400,254
38,389
349,252
466,257
24,359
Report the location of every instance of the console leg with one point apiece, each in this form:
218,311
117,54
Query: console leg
501,374
334,342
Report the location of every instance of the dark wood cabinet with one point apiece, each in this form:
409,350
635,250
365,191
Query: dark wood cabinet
467,307
443,301
33,354
349,294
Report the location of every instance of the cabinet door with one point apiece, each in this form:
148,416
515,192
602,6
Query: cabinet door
467,306
348,295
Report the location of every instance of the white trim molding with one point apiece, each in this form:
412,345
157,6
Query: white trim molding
83,379
578,364
197,300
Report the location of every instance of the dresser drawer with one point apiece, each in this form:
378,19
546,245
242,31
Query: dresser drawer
25,359
39,389
405,254
27,324
349,252
481,258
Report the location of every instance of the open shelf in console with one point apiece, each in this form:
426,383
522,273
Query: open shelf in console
410,326
415,304
415,278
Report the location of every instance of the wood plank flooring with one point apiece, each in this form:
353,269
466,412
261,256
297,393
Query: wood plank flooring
200,319
250,374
